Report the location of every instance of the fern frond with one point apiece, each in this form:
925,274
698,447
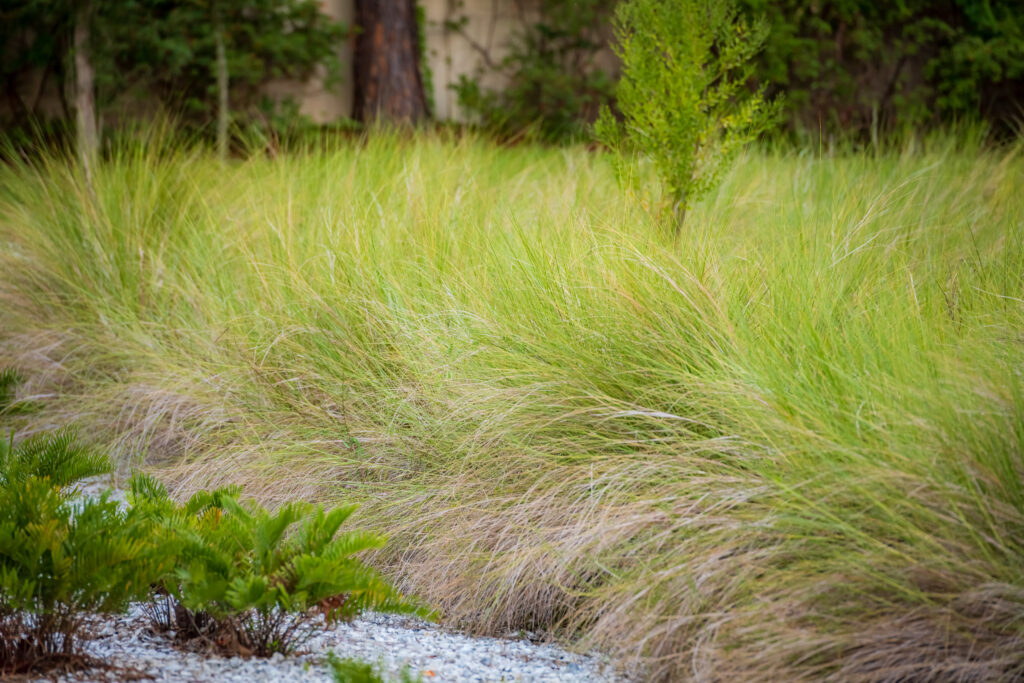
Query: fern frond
61,559
142,486
321,527
56,456
261,574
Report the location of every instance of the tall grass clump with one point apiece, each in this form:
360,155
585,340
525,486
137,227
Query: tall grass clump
786,446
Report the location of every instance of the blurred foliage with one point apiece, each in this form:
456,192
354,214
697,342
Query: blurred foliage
856,65
846,66
358,671
850,66
169,46
554,86
162,51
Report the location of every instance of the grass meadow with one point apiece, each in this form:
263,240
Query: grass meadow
787,446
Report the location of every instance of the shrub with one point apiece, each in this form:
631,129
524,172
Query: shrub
244,584
682,93
59,559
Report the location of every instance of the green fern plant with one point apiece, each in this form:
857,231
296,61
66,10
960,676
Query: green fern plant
55,456
59,561
250,581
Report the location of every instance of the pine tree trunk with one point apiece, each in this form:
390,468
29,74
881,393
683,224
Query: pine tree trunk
221,67
388,85
85,85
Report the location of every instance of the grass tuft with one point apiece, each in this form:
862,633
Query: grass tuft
788,446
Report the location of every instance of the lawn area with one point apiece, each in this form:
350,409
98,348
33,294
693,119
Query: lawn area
788,445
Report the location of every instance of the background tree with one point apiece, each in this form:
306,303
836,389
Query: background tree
388,81
84,86
223,81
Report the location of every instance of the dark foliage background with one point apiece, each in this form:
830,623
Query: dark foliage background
852,67
162,51
848,67
555,86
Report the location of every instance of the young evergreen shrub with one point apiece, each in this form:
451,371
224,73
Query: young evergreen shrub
59,561
683,92
253,582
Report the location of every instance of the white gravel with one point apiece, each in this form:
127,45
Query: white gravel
391,642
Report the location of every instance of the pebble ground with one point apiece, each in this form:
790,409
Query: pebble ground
392,643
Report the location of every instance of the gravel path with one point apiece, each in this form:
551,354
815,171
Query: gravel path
391,642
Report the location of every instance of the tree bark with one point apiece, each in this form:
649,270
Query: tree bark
388,84
85,88
221,67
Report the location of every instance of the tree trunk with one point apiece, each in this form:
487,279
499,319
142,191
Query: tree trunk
388,85
85,86
221,67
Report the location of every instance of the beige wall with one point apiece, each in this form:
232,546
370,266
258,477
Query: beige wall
320,104
452,54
